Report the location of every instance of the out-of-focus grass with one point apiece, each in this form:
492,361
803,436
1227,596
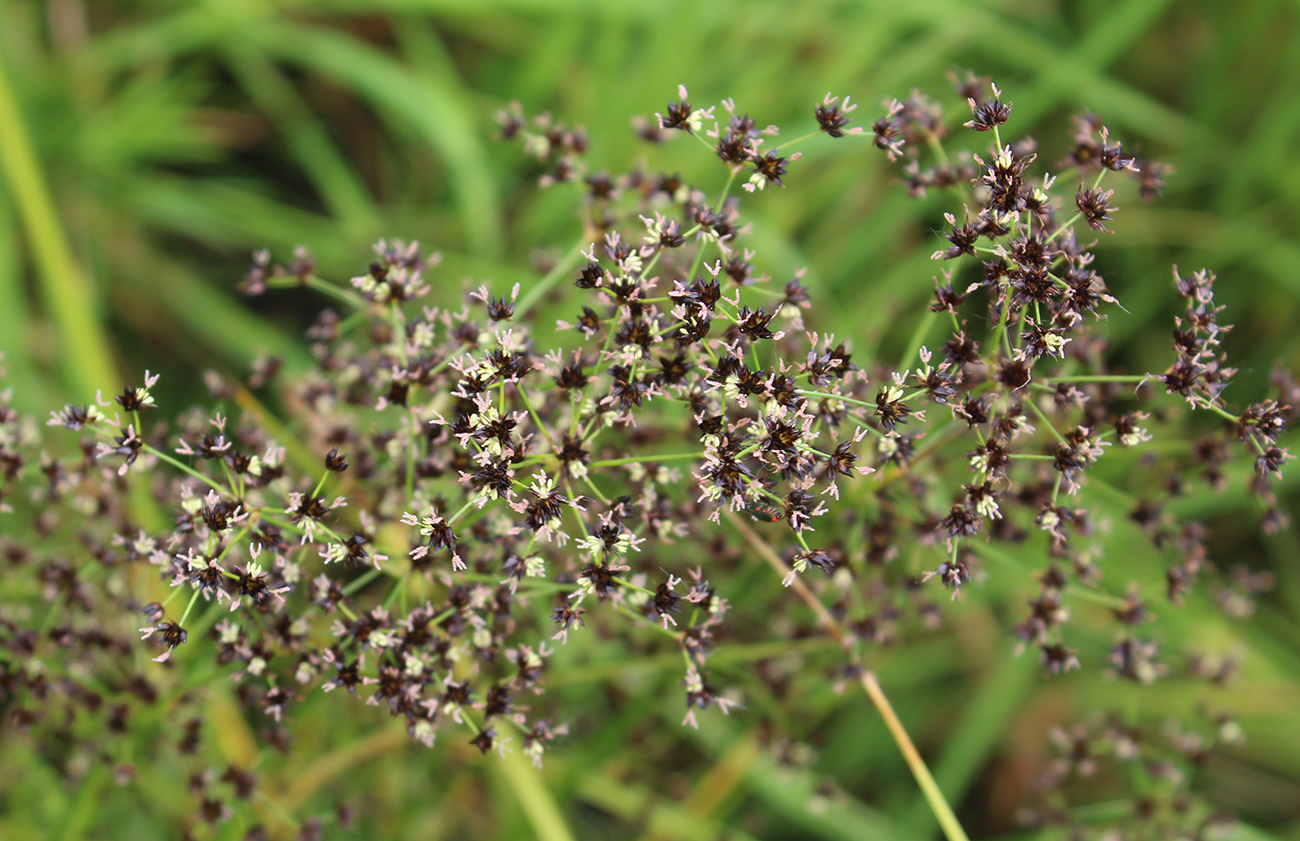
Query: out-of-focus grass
175,138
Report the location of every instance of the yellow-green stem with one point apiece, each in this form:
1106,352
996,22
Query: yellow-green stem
929,788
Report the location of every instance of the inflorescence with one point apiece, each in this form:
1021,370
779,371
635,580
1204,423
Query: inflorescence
468,487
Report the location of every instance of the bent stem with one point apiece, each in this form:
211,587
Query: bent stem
929,788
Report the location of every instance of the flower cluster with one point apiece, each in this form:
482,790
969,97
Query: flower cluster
468,486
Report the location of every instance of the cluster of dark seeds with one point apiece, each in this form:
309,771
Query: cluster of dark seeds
467,487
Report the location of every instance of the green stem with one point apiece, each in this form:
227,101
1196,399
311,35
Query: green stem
1031,404
398,320
340,293
316,490
186,615
595,490
918,336
1226,415
552,277
1098,378
528,404
797,140
414,434
613,462
454,517
184,468
839,397
1001,327
399,587
361,581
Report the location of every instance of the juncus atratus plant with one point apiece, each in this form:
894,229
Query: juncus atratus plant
466,487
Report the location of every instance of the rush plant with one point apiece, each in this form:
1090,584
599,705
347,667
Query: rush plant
464,487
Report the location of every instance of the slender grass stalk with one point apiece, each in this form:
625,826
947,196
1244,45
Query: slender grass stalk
943,813
918,338
561,268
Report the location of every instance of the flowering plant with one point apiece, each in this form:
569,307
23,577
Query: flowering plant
465,489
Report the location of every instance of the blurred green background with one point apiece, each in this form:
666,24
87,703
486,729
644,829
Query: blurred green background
149,147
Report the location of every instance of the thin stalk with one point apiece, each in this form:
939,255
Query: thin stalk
929,788
539,289
825,395
646,459
1098,378
185,468
186,615
918,336
1046,422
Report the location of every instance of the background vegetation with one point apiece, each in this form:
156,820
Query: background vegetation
148,147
